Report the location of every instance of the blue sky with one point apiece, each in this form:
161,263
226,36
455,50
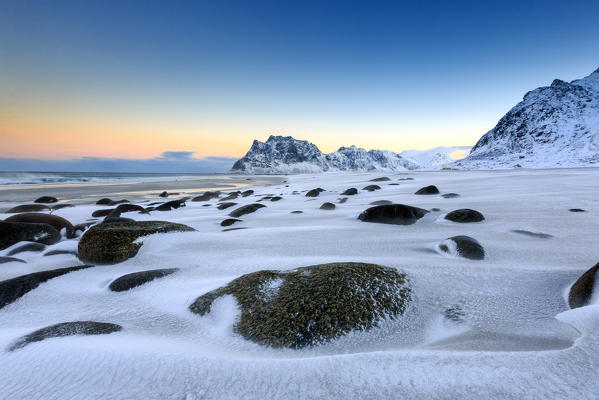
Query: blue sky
132,79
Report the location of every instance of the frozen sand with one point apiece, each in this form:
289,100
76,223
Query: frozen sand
518,339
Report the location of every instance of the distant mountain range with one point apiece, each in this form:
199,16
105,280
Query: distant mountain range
553,126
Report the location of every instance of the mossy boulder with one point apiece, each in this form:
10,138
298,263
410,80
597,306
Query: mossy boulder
432,189
465,215
14,232
398,214
111,243
582,290
66,329
311,305
136,279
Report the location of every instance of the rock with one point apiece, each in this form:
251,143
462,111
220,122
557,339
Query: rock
314,192
14,232
33,246
103,212
130,281
276,198
4,259
342,200
539,235
381,179
436,209
454,313
463,246
66,329
163,194
110,220
169,205
229,221
311,305
82,227
450,195
224,206
297,212
24,208
46,199
125,208
108,202
234,229
12,289
371,188
406,179
247,209
59,252
61,206
576,210
581,291
247,193
394,184
465,215
398,214
55,221
432,189
206,196
381,203
350,192
231,196
327,206
114,242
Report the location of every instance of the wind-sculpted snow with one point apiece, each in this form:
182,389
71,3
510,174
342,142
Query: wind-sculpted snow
553,126
286,155
492,328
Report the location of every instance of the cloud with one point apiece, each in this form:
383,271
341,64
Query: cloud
167,162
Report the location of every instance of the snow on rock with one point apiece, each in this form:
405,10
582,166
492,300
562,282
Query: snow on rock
553,126
437,157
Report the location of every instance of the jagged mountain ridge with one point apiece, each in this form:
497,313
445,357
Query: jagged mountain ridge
285,155
553,126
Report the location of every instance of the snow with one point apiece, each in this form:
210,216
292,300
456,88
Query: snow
436,157
518,339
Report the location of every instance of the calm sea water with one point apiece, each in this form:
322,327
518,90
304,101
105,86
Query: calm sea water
45,178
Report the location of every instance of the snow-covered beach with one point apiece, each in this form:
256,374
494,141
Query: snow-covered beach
511,333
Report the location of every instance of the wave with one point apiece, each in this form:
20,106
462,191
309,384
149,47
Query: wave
49,178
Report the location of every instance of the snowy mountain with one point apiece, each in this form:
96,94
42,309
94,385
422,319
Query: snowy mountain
437,157
553,126
286,155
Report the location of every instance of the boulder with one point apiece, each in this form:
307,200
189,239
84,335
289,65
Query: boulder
432,189
206,196
163,194
371,188
12,289
169,205
247,193
136,279
350,192
125,208
463,246
247,209
66,329
4,260
450,195
297,212
381,203
55,221
314,192
581,291
25,208
224,206
59,252
576,210
229,221
33,246
109,202
103,212
14,232
231,196
312,305
276,198
464,215
46,199
381,179
115,242
327,206
109,220
539,235
398,214
61,206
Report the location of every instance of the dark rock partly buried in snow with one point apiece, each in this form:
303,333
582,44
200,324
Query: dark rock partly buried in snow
125,208
311,305
109,202
576,210
224,206
381,203
206,196
398,214
169,205
66,329
114,242
4,260
276,198
14,232
327,206
371,188
464,246
229,221
247,209
231,196
61,206
103,212
539,235
247,193
12,289
381,179
46,199
432,189
350,192
297,212
582,290
163,194
464,215
59,252
111,220
450,195
135,279
314,192
33,246
26,208
55,221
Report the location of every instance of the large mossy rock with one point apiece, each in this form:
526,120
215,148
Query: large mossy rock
15,232
582,290
312,305
114,242
398,214
66,329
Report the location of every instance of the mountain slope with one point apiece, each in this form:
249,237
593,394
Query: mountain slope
436,157
286,155
553,126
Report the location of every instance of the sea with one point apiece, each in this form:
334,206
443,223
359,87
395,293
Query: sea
47,178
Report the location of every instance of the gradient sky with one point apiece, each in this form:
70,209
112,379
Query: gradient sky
132,79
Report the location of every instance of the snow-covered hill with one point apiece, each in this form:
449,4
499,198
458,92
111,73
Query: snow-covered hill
437,157
286,155
553,126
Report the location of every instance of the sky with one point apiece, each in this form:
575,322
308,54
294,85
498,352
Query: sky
135,79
